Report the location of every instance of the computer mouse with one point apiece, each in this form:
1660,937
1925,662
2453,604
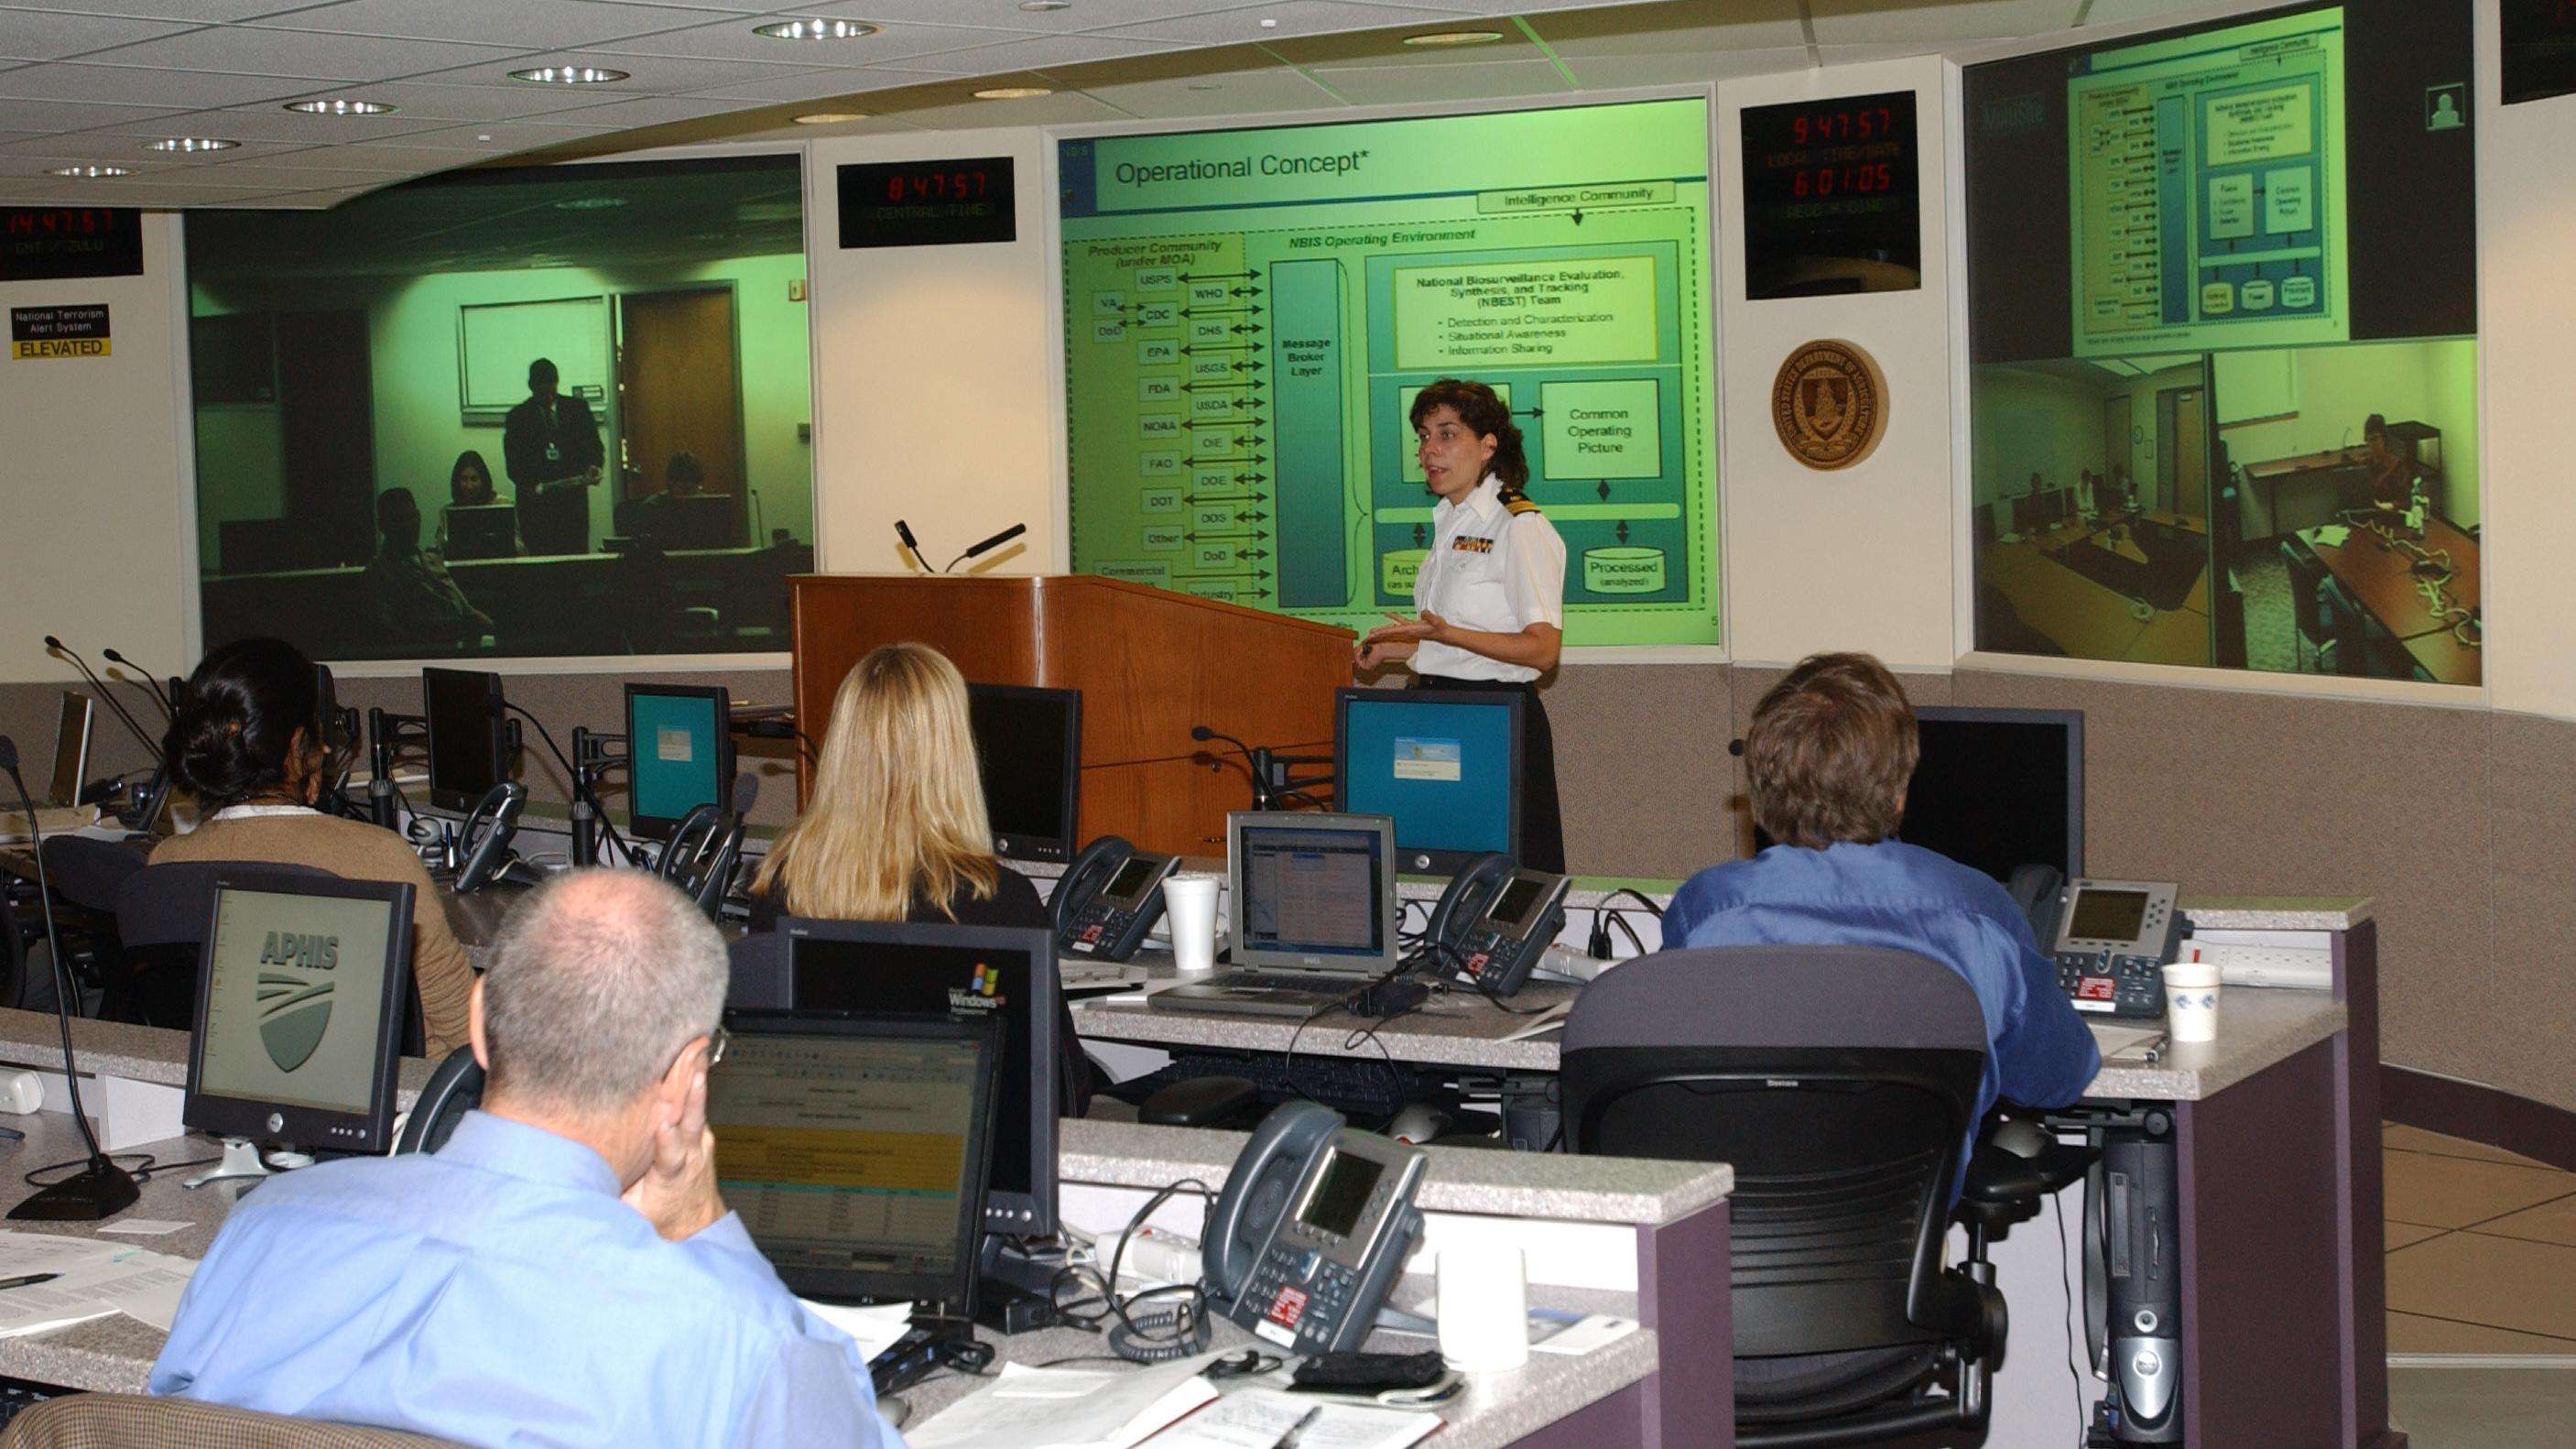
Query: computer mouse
2022,1139
1417,1123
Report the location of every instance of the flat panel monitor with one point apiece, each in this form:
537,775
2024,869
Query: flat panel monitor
482,530
874,968
1446,764
300,992
1996,789
856,1150
679,744
468,738
71,748
1028,742
1312,892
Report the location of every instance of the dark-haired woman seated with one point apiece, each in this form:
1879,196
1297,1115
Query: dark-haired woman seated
248,743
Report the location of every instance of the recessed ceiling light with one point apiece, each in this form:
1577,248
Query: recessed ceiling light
88,173
568,75
831,118
341,108
185,145
1455,37
1013,93
815,30
1041,7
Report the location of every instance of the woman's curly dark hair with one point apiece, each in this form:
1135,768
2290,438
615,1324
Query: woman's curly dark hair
237,719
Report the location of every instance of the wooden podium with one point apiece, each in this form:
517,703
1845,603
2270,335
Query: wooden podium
1150,664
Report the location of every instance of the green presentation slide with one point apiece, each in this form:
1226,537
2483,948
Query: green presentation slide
2208,177
1248,315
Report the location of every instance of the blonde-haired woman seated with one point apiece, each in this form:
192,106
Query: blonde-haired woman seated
896,829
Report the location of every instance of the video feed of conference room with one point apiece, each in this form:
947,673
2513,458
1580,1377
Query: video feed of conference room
2223,406
534,411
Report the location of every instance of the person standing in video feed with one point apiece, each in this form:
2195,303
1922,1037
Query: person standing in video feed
550,444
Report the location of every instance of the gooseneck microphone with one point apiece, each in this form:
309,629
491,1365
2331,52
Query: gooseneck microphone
101,1188
988,545
158,693
1255,762
903,531
150,745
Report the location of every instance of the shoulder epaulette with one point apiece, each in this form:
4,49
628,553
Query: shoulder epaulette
1518,503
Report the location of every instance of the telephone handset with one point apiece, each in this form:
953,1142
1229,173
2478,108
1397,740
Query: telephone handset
485,839
2113,940
1495,922
700,858
1109,898
1312,1229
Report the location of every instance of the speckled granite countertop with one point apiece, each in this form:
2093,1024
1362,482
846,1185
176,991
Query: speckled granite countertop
2257,1026
2276,913
1544,1185
136,1053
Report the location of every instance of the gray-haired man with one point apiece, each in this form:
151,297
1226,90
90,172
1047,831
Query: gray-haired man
563,1272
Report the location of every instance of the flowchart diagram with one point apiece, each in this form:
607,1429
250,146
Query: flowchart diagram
1243,345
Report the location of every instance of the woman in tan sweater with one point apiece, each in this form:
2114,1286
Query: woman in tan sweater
248,744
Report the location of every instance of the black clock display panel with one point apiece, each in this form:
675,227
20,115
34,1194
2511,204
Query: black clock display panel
1832,197
927,203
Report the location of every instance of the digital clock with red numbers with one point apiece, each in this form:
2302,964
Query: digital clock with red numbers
38,243
1832,199
927,203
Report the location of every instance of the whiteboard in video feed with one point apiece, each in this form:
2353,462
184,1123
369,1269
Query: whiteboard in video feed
496,341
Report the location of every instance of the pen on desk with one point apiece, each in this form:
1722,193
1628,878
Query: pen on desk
30,1281
1297,1432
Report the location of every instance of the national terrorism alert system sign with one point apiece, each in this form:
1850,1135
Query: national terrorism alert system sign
47,332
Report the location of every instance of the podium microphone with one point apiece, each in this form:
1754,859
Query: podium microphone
101,1188
150,745
158,693
988,545
1255,763
903,531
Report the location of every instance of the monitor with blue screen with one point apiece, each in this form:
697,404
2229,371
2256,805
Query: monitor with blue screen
1444,763
679,741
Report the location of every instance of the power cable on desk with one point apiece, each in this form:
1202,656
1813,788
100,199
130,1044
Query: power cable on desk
1158,1337
607,828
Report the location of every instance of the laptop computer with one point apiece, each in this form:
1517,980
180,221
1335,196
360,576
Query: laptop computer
1313,910
482,530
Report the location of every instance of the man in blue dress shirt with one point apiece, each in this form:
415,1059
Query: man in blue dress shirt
562,1272
1829,756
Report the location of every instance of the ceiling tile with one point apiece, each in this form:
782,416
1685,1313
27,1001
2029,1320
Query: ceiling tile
290,178
1007,15
1895,22
1039,54
734,40
1738,25
300,53
276,123
175,90
166,196
1381,48
508,137
2116,12
819,85
470,103
647,75
511,22
1297,17
46,35
1062,109
701,5
328,158
650,111
200,11
1253,92
125,150
1392,85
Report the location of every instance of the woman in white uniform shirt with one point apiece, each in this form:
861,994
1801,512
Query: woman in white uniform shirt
1492,591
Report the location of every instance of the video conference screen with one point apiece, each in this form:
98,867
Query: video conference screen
555,410
2222,307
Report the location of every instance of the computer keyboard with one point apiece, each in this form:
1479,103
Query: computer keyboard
1355,1086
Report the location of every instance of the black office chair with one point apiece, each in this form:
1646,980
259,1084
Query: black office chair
453,1090
1840,1082
162,912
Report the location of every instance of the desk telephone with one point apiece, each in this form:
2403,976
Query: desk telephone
2112,942
701,857
1109,899
484,842
1312,1229
1495,922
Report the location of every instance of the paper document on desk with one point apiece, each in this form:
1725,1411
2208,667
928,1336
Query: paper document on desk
56,820
1258,1418
875,1326
98,1278
2330,535
1548,1020
1029,1408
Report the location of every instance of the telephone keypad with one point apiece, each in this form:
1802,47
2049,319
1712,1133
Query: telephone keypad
2112,985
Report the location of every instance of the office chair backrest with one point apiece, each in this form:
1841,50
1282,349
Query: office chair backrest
89,872
141,1421
453,1090
162,912
1840,1083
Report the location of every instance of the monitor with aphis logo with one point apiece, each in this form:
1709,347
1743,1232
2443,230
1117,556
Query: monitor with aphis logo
679,743
300,993
856,1149
878,969
1028,742
1445,763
